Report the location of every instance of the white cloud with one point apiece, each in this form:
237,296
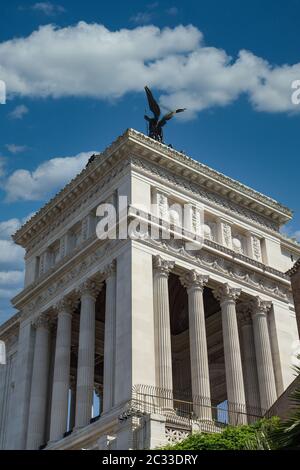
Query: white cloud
48,8
11,277
20,111
10,254
13,148
8,227
90,60
11,266
48,177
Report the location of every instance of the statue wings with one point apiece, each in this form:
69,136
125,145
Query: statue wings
152,103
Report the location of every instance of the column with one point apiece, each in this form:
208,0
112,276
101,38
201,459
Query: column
109,339
249,362
266,378
61,376
72,403
163,330
24,363
233,364
195,282
39,385
86,354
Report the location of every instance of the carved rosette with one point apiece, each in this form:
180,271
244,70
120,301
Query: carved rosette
260,307
194,280
91,288
162,266
226,293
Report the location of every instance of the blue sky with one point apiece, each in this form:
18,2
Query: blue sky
75,73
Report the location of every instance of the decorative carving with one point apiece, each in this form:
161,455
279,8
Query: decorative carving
162,266
228,268
260,306
67,305
110,269
90,287
193,279
256,248
226,293
227,234
174,436
244,313
204,194
42,321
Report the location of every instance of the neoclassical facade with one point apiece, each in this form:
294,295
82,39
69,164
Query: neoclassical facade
137,341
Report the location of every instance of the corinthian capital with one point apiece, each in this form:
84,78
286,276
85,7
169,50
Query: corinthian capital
66,305
260,306
110,269
42,321
162,266
90,287
226,293
193,279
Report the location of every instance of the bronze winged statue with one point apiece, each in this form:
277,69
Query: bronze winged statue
155,124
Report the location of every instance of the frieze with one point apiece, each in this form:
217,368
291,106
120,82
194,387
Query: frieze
72,277
214,198
226,268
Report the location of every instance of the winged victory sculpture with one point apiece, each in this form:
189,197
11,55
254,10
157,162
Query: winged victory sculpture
155,124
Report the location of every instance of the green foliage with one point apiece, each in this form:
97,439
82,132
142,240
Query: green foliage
232,438
287,434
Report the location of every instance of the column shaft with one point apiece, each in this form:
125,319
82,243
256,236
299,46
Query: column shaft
198,345
163,331
61,377
233,362
250,372
266,378
39,385
109,341
86,358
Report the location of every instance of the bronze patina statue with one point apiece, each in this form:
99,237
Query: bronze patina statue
155,124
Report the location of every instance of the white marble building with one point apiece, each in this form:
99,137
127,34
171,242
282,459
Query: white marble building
161,333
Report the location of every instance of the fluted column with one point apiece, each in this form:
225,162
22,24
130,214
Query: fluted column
61,376
249,362
233,364
86,354
266,378
109,339
163,330
72,403
195,282
39,385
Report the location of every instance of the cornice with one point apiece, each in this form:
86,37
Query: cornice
11,325
210,173
204,176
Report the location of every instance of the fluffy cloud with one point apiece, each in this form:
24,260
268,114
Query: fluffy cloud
47,178
90,60
19,112
11,266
